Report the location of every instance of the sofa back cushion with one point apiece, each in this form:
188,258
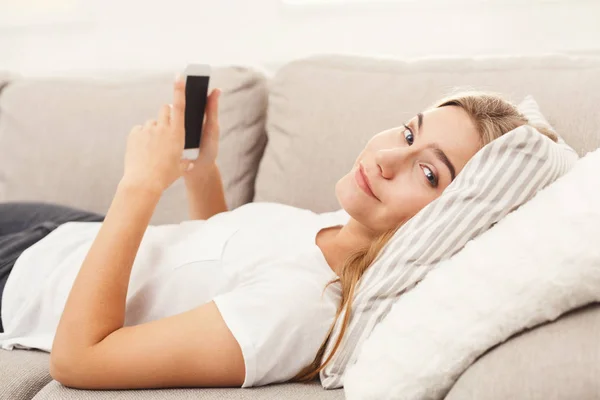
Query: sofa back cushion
63,139
324,109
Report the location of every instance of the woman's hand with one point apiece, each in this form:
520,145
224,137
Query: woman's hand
153,155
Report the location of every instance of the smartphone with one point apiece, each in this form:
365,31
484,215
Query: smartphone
196,77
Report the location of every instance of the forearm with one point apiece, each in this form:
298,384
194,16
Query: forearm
205,193
96,304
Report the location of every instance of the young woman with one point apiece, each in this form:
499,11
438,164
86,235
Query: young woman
230,298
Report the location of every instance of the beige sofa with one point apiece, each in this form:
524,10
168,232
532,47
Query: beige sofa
287,137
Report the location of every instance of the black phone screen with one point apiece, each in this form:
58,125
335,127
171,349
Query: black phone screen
196,91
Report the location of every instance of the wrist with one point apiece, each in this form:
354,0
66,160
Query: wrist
200,173
145,188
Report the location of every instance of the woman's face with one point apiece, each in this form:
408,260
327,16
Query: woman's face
407,167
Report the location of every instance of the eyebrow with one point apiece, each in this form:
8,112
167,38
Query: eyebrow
439,153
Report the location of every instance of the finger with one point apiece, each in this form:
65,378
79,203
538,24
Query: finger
164,115
135,131
178,119
212,111
149,124
137,128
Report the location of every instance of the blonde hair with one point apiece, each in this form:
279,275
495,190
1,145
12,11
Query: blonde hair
493,117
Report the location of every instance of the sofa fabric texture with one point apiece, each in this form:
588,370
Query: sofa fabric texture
555,361
292,391
23,373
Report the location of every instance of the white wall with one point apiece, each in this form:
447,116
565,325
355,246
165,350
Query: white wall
151,34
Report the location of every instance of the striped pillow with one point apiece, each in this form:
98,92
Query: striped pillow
500,177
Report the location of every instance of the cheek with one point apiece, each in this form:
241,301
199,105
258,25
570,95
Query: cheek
407,201
345,188
354,201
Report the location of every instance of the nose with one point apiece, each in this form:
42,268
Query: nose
392,160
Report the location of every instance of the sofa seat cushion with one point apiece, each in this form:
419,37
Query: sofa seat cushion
555,361
23,373
290,391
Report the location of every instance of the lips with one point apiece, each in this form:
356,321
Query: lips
363,181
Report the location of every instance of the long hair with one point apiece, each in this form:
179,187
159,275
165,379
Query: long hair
493,117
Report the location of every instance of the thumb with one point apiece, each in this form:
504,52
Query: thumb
212,117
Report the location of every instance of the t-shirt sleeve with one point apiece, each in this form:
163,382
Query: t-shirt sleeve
278,323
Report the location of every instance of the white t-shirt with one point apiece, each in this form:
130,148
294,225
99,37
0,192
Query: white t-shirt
259,263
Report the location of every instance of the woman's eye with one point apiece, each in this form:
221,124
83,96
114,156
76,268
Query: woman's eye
430,176
408,135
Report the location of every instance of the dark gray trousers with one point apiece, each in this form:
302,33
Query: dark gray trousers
24,223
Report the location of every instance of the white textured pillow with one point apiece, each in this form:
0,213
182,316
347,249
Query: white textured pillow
503,175
536,264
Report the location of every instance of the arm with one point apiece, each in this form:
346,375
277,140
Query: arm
92,349
205,193
96,303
